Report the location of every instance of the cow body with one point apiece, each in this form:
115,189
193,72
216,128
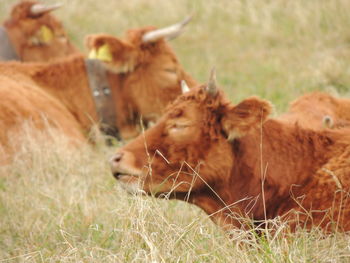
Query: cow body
36,37
45,95
312,110
233,163
65,80
27,104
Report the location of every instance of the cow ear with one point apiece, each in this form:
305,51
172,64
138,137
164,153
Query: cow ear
246,116
119,56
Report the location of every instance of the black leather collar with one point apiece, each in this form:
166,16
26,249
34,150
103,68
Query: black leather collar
102,94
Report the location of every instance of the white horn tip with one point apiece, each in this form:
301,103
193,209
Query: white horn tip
187,20
167,33
38,9
184,87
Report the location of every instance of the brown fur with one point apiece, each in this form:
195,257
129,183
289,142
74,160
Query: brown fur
64,80
188,154
150,77
22,28
28,103
309,111
143,91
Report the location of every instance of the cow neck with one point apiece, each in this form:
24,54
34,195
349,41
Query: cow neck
102,95
285,155
7,50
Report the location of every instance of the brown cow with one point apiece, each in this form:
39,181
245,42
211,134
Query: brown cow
33,90
23,103
233,162
319,110
149,73
31,33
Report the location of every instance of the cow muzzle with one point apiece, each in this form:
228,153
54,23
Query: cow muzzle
123,166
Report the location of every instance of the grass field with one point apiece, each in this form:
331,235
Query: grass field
60,204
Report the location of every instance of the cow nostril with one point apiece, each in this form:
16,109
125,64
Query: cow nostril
117,158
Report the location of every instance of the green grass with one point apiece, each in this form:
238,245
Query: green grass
60,204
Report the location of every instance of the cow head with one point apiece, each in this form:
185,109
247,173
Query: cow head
35,34
149,72
189,148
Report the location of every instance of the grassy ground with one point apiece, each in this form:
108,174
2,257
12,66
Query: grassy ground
59,204
62,204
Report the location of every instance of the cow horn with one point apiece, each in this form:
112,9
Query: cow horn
184,87
168,33
211,87
39,9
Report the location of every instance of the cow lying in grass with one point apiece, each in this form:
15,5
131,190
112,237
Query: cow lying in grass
149,74
141,75
31,33
233,161
319,110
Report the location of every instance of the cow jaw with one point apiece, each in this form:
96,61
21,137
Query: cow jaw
150,169
128,177
129,183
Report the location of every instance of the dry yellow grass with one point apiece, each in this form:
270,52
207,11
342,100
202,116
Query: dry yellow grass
60,204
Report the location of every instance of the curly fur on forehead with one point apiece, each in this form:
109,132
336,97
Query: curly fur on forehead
211,109
200,96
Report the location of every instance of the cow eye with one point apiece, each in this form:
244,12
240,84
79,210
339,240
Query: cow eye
176,113
178,127
170,70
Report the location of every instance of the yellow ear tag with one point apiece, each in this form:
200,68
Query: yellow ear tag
46,34
93,54
104,53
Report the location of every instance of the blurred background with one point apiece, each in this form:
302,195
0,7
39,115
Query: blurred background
277,49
